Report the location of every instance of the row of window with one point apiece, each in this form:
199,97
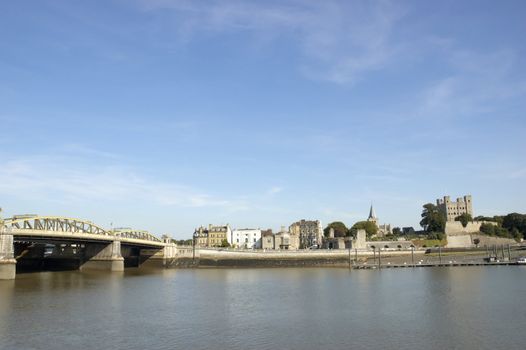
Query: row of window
246,240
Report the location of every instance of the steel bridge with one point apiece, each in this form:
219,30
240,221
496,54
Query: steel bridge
100,248
56,227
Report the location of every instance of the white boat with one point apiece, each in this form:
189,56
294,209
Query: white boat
522,260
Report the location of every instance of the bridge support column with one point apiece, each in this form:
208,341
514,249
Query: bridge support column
7,260
169,252
109,258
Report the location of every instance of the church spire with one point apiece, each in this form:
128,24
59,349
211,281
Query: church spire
372,214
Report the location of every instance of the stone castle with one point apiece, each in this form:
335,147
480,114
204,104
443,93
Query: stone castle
452,210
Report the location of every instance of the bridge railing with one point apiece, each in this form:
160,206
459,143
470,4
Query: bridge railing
57,224
135,234
71,225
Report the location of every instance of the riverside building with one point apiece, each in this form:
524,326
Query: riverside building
245,238
213,236
283,240
310,233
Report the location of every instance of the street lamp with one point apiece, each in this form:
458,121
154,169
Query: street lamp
195,235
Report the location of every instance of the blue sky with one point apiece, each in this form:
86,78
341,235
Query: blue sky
164,115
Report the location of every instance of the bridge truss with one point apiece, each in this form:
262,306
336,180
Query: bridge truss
56,225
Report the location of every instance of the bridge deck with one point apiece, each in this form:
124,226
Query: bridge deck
25,234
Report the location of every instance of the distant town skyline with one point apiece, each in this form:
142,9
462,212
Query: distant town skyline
166,115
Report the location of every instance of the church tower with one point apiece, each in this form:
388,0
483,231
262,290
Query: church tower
372,216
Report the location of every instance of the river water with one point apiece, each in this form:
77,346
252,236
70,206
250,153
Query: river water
422,308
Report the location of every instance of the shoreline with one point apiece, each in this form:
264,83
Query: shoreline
219,258
277,264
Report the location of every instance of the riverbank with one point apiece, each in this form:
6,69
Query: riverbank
209,258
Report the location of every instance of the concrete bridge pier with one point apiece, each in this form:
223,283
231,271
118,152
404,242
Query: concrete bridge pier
107,257
169,251
159,257
7,260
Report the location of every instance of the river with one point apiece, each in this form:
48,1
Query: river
288,308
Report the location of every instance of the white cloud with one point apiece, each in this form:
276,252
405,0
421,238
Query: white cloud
518,174
478,83
274,190
339,41
64,179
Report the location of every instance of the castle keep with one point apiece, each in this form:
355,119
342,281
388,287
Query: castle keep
451,210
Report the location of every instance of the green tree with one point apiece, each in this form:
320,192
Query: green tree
224,243
494,230
436,235
370,228
183,241
516,234
502,232
488,229
464,219
390,237
485,218
340,230
498,219
515,221
397,231
432,219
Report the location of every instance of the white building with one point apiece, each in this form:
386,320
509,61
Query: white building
246,238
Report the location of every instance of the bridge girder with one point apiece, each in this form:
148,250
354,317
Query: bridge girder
137,234
58,224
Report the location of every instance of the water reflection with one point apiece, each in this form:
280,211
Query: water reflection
431,308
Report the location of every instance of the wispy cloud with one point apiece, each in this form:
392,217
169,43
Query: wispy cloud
62,178
518,174
274,190
339,40
478,83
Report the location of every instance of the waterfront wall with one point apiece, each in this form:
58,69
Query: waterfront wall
225,258
467,241
455,227
489,240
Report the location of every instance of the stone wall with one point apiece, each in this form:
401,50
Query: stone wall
282,258
459,241
187,251
467,240
490,240
455,227
360,241
390,245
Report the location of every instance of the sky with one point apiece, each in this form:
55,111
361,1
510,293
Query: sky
165,115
